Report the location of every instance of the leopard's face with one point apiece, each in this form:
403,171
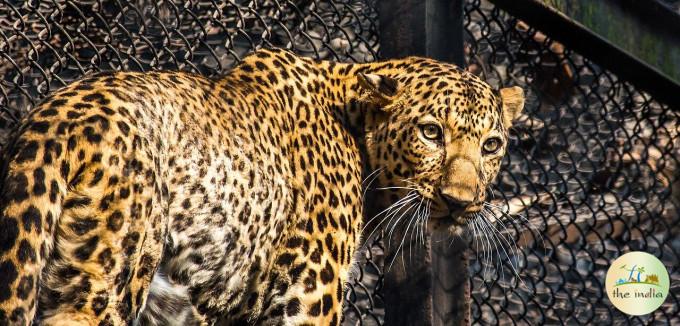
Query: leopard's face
438,141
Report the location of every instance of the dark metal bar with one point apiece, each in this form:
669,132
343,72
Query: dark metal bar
402,28
451,285
444,28
431,28
623,56
429,284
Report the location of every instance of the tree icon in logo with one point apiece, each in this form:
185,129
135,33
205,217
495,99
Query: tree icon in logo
652,279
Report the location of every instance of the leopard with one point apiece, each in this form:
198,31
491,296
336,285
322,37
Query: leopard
240,196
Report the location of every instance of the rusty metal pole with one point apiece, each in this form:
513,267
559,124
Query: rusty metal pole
427,284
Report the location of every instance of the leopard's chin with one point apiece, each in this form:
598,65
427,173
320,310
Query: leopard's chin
455,224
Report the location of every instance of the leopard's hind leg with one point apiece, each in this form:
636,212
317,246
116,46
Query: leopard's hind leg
85,191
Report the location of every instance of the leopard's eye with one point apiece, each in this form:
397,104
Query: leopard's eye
491,145
431,132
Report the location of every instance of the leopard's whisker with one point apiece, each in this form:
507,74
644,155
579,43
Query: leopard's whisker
410,183
489,251
389,237
410,221
473,228
535,229
416,226
480,238
493,247
375,177
414,218
388,218
380,169
392,211
495,233
401,244
421,223
398,203
507,231
532,228
427,218
486,255
497,264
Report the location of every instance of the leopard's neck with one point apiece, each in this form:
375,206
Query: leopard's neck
325,85
311,92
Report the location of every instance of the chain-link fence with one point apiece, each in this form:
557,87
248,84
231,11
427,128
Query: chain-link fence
592,172
47,44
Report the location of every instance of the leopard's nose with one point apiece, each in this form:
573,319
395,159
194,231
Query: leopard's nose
456,204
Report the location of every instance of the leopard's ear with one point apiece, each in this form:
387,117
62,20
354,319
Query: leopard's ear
513,103
382,89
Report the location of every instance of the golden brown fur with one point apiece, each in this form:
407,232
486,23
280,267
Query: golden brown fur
245,192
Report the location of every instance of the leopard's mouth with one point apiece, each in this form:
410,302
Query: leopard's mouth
441,217
454,222
459,220
456,217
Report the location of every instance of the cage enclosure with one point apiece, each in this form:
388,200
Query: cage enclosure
592,170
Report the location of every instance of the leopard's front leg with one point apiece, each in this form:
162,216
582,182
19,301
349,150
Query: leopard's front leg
311,269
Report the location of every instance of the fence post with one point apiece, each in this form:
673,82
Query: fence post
430,286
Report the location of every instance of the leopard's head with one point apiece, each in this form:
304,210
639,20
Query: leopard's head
436,139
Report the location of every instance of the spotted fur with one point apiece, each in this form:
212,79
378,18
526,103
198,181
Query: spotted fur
245,191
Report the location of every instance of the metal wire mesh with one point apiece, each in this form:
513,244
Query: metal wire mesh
593,166
593,170
46,44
